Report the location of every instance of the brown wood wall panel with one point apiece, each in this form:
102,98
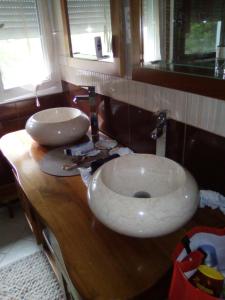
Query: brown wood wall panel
201,85
205,159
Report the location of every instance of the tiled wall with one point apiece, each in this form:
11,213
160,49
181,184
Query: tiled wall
200,111
197,149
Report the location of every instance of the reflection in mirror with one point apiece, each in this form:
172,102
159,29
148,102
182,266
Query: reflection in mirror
185,36
90,28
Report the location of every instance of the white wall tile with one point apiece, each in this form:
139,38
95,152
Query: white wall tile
118,89
136,93
153,96
206,113
203,112
220,118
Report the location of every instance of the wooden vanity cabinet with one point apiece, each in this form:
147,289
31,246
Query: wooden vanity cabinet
46,238
33,221
53,251
90,260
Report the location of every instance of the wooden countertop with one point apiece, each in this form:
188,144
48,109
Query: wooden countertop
101,263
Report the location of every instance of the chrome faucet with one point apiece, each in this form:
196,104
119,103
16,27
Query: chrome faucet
159,132
161,121
91,97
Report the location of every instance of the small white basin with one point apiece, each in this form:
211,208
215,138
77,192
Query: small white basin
57,126
143,195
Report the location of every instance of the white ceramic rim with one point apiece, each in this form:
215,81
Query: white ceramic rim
49,110
99,177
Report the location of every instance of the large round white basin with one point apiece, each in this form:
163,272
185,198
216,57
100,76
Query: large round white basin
143,195
57,126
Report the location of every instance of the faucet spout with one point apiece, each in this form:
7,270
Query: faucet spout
91,97
158,134
80,97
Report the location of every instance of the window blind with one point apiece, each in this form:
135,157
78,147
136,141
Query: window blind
17,15
89,15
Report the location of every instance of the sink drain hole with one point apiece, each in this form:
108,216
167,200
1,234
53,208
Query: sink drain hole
142,194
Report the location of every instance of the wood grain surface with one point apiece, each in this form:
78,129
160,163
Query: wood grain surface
101,263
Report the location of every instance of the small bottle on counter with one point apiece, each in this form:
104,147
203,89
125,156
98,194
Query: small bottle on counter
209,280
220,62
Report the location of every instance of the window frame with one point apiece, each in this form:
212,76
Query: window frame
178,80
116,67
52,84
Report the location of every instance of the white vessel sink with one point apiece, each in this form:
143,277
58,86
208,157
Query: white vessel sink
57,126
143,195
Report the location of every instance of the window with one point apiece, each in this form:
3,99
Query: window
177,65
84,21
89,20
198,31
151,31
182,32
26,50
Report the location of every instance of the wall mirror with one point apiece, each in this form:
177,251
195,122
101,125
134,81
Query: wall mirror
94,34
183,40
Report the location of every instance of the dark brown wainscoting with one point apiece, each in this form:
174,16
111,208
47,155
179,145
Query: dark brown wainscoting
201,152
13,116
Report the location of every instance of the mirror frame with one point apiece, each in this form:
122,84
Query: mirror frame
115,68
197,84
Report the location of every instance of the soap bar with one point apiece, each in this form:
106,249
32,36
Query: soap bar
80,149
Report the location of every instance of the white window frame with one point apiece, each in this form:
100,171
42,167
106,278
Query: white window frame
53,84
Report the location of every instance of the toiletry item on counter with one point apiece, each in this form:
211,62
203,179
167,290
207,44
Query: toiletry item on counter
212,199
106,144
69,167
80,162
98,163
74,164
98,46
53,163
121,151
94,152
209,280
86,172
79,150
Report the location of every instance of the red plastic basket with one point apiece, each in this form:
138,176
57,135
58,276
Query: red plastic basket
181,288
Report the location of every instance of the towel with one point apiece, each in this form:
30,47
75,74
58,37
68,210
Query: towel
212,199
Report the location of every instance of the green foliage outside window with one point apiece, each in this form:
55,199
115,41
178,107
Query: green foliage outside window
201,38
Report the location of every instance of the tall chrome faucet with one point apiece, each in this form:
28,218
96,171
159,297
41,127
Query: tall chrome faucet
91,97
159,132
